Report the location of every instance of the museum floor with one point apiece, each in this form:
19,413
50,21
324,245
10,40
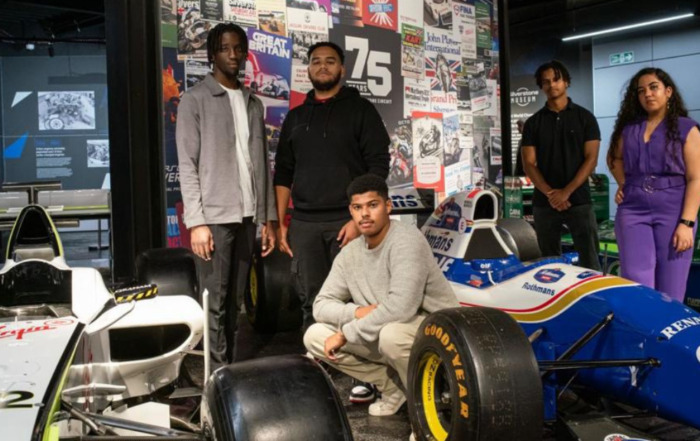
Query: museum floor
78,251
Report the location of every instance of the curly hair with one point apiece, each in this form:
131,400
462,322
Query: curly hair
631,111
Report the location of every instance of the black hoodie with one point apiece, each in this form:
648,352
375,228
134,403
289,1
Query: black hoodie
323,146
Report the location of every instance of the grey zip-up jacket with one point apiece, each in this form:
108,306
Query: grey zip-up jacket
206,150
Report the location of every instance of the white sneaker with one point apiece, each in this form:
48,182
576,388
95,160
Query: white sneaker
412,437
388,404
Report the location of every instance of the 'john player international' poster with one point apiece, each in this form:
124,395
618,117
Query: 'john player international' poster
371,66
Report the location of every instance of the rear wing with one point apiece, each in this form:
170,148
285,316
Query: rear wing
409,200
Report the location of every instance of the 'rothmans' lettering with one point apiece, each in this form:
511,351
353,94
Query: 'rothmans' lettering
680,325
539,289
439,243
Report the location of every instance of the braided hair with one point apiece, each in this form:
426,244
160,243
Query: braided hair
214,38
631,110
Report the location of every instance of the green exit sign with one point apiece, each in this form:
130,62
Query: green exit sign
622,58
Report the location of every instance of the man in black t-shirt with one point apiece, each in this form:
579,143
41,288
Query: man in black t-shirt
559,151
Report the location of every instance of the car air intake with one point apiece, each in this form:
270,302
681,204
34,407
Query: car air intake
141,342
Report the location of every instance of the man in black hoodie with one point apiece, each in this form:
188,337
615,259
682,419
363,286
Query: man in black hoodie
334,137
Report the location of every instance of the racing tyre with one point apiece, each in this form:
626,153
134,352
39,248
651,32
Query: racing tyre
520,237
271,303
173,270
473,376
285,398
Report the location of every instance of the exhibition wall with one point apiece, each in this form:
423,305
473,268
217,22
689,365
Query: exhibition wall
431,68
678,53
53,117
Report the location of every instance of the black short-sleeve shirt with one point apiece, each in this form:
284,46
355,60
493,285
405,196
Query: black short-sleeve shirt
558,138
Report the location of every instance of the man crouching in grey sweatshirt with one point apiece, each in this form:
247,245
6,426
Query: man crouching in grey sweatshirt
379,290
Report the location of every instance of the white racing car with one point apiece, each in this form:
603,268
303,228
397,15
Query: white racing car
79,362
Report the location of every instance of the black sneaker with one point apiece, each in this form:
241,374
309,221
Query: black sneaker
363,393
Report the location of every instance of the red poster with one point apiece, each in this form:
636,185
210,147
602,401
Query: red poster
380,13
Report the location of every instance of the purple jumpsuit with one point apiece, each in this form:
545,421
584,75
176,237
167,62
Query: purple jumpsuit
654,192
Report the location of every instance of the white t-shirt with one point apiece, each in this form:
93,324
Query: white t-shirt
240,122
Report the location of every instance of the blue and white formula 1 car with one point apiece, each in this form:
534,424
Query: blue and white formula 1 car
78,362
533,327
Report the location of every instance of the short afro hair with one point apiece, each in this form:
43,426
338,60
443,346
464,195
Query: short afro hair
560,72
366,183
331,45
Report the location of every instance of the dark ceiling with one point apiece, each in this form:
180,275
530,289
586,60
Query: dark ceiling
51,19
542,19
537,19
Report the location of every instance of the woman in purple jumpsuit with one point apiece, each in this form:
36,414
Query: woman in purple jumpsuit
654,156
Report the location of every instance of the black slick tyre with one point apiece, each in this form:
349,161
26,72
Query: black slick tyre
271,303
472,376
173,270
520,237
285,398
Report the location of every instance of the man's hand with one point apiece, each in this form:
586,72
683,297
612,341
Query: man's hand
347,233
559,199
282,240
682,238
364,310
202,241
619,196
332,344
269,231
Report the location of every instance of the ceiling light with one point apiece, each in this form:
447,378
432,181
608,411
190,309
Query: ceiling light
30,46
624,28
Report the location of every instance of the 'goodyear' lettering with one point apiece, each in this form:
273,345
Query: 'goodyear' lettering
444,338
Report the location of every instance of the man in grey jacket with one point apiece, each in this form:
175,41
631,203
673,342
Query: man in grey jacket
379,290
225,181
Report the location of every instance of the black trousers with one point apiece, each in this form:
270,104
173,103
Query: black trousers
584,230
314,246
225,276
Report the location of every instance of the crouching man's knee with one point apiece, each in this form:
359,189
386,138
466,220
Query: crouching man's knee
315,339
394,343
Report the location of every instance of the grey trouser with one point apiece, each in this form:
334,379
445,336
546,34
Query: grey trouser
582,225
383,363
226,280
314,246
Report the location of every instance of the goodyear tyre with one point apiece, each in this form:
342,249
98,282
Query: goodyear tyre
271,302
285,398
472,376
520,237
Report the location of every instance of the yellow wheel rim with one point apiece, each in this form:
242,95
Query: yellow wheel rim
430,370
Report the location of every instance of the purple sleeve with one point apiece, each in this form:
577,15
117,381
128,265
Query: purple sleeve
685,125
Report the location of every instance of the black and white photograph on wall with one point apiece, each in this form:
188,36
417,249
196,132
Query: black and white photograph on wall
168,12
192,30
450,127
301,42
438,13
428,150
310,5
195,71
66,110
97,153
495,146
482,144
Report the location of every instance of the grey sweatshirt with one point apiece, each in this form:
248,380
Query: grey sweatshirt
400,275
